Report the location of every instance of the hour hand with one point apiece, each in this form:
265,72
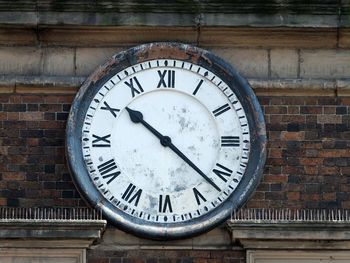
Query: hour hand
135,116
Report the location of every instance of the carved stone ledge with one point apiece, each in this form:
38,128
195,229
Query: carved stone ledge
48,233
283,229
69,85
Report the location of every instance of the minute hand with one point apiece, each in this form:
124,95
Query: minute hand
137,117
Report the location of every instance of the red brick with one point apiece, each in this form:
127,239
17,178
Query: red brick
293,109
345,101
32,99
293,195
329,196
329,110
13,176
311,161
51,99
293,136
275,178
15,99
31,116
65,99
275,153
275,118
311,170
275,109
293,118
12,116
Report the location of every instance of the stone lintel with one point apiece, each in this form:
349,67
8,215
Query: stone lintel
176,13
50,233
284,234
263,87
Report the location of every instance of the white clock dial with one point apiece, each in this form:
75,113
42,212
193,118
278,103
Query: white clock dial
165,141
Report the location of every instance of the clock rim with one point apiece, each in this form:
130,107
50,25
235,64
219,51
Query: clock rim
183,52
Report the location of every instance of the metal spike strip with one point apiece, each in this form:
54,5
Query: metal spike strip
307,215
38,213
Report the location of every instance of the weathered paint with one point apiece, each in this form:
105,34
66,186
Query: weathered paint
185,53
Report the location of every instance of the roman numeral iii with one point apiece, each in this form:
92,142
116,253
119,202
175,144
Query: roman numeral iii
108,170
164,204
134,86
131,194
229,141
166,79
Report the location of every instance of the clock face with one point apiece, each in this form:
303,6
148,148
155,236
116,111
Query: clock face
164,145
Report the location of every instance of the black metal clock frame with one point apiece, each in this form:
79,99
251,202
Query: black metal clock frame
185,53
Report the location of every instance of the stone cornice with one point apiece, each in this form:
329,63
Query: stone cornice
317,13
290,229
263,87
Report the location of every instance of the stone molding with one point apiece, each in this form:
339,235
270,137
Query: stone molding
265,87
317,13
290,229
49,233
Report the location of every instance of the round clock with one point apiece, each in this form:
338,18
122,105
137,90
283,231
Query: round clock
166,139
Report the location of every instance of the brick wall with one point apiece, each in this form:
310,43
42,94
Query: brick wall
301,77
167,256
307,165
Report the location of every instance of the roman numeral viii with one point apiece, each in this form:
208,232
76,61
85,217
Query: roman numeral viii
134,86
222,172
108,170
166,79
166,205
101,141
131,194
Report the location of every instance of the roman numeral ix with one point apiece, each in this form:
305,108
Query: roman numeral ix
108,170
131,194
170,83
102,141
134,86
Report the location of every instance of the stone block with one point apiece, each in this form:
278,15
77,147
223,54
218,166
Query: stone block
344,37
250,63
118,36
268,37
88,59
20,60
284,63
58,61
325,64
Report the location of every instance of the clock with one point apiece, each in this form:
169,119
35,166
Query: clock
166,139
